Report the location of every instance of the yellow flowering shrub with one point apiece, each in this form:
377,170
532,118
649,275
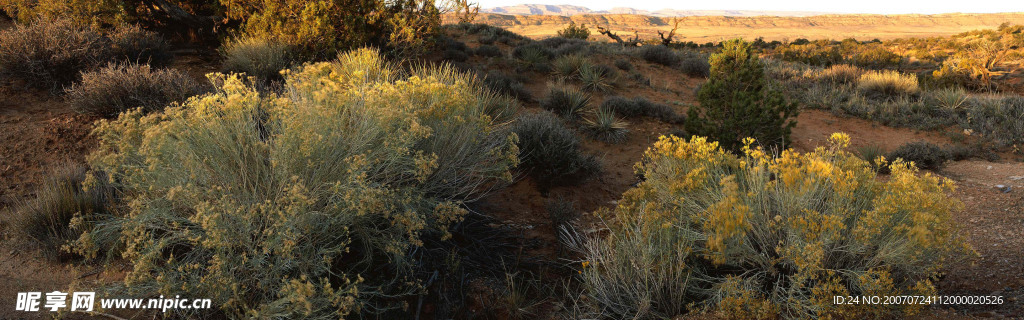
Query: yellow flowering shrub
304,204
760,236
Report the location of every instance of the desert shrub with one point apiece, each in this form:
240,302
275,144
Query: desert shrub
596,78
118,88
488,51
565,46
756,236
640,107
46,219
317,29
572,31
569,66
950,99
841,74
887,84
603,125
49,54
964,71
623,65
924,155
876,57
566,101
550,152
260,57
310,200
998,119
738,102
695,65
534,56
811,53
134,45
661,55
502,83
454,55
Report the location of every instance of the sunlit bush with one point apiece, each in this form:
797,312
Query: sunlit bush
300,205
888,84
49,54
757,236
255,56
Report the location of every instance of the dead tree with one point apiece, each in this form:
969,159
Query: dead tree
630,43
667,40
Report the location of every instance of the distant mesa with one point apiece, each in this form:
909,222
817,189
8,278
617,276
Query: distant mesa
571,10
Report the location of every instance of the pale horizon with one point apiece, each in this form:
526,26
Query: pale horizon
864,6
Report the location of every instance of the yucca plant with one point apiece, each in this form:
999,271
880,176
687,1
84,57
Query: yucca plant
569,66
566,101
605,126
951,99
595,78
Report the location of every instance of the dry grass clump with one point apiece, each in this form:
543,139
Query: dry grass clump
306,204
841,74
46,220
757,236
257,56
50,54
888,84
118,88
132,44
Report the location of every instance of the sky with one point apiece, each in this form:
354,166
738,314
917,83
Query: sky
837,6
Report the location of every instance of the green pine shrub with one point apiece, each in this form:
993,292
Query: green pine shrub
118,88
767,237
50,54
551,153
924,155
572,31
737,101
305,204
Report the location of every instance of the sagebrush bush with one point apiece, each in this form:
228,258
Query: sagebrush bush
811,53
661,55
566,101
46,219
504,84
624,65
260,57
488,51
50,54
876,57
117,88
887,84
695,65
998,119
305,204
737,101
763,237
550,152
924,155
641,107
132,44
572,31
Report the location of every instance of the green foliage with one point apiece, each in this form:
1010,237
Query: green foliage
118,88
300,205
924,155
762,237
46,219
50,54
737,101
566,101
550,152
572,31
263,58
318,28
134,45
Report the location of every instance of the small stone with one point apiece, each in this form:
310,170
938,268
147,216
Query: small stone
1003,188
1015,178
